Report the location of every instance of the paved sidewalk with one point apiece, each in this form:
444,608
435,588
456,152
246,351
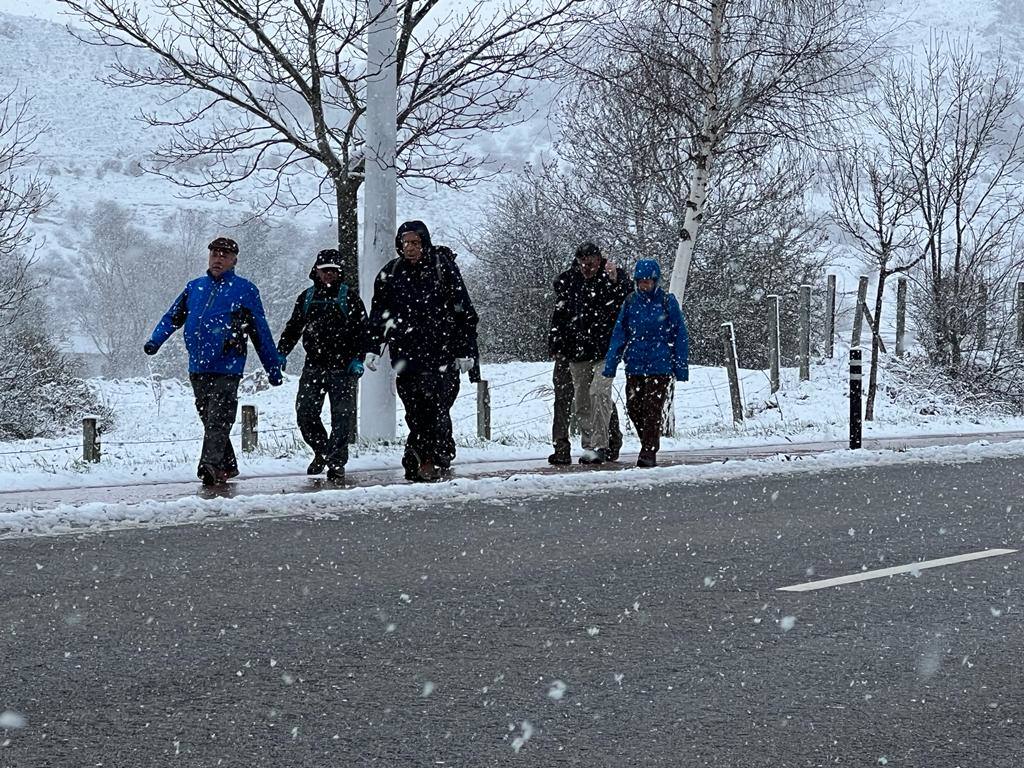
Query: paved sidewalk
132,493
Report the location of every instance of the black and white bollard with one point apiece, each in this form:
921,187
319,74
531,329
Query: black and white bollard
855,396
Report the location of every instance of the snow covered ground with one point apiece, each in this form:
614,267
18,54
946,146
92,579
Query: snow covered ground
157,434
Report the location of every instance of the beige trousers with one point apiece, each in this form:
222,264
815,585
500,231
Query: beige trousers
592,394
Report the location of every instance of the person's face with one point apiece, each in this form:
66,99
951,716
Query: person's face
221,261
412,247
646,285
328,275
590,265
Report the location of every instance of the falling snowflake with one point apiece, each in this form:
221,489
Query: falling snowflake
519,741
786,623
557,690
10,720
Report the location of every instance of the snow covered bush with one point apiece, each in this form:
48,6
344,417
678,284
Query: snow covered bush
41,394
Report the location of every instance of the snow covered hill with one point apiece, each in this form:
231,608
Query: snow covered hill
94,144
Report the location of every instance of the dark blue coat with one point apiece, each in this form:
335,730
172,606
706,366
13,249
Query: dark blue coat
218,315
651,334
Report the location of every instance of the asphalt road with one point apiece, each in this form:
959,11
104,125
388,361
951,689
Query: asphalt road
630,627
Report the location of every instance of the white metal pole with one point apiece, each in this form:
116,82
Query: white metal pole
377,399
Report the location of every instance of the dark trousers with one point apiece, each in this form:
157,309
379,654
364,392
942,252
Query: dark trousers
217,403
339,388
428,398
645,400
561,378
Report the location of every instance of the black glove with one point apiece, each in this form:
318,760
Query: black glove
150,347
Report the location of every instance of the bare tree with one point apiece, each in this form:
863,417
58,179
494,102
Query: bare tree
23,194
39,391
955,128
873,205
738,73
279,88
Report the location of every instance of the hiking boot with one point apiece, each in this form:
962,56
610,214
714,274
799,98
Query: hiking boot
593,456
427,472
611,454
317,465
560,457
336,474
411,465
646,460
210,475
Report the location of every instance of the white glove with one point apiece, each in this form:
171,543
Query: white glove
465,364
601,385
370,363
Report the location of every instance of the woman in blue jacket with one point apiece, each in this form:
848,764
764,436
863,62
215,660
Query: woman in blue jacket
651,334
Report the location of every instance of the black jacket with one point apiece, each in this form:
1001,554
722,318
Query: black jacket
424,313
332,338
585,313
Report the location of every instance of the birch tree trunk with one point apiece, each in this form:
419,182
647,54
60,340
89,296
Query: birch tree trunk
377,398
710,129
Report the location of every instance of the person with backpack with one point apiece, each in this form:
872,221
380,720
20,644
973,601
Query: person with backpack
651,334
587,301
331,322
219,311
422,311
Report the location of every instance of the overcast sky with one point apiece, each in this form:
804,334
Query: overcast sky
43,9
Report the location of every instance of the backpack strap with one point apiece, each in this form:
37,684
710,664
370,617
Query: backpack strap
341,299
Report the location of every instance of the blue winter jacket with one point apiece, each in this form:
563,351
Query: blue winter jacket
218,315
650,332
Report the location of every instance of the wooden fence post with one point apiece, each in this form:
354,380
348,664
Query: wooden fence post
805,332
830,317
901,316
774,352
90,439
483,410
858,310
732,368
250,435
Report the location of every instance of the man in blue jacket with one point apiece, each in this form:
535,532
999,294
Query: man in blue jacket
422,311
219,311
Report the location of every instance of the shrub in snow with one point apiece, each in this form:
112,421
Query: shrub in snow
41,394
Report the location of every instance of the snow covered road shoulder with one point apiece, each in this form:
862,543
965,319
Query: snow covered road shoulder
100,516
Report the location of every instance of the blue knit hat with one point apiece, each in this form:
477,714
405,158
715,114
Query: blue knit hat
647,269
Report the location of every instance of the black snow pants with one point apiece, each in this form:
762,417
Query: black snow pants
216,397
339,387
428,398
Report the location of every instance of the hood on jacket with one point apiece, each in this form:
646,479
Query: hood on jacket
647,269
420,229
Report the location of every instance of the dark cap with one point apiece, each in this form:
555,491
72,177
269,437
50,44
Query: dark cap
327,258
587,249
224,244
